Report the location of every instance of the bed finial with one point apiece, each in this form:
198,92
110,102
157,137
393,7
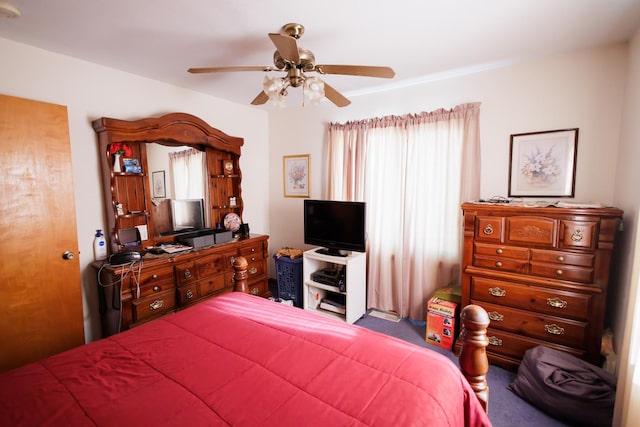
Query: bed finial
240,265
473,355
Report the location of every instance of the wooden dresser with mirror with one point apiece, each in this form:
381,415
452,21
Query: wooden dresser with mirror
139,191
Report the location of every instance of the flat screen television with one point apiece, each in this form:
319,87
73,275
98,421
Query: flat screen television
187,214
336,226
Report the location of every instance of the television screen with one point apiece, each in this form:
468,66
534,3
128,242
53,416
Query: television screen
335,225
187,214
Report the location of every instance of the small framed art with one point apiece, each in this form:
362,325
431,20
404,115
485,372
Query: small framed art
296,175
543,164
159,190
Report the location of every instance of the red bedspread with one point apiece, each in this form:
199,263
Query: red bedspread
244,361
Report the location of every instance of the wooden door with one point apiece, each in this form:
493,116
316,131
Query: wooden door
40,289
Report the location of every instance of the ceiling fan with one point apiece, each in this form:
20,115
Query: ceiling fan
296,62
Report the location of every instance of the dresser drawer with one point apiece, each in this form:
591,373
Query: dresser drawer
489,228
501,264
531,230
537,299
215,283
579,234
563,272
213,264
152,282
549,328
253,252
502,251
259,287
562,258
515,346
255,268
186,273
154,305
187,294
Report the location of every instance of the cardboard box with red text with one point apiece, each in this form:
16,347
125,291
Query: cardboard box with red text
441,322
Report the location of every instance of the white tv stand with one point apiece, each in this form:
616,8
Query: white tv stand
355,264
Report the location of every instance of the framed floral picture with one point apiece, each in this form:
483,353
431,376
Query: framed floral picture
543,164
159,190
296,175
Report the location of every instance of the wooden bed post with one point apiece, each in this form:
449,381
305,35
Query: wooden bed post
473,355
240,265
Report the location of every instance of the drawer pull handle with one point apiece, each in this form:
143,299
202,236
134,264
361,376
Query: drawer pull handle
253,249
495,341
498,264
496,317
554,329
253,270
497,292
488,229
499,251
558,272
156,305
187,274
577,236
155,276
255,291
156,288
560,258
556,302
189,294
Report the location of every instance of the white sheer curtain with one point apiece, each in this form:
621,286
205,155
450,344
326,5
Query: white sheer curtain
187,169
413,172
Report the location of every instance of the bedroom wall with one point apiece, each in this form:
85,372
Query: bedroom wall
626,296
91,91
583,89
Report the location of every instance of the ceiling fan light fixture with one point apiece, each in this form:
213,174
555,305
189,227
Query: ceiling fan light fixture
314,89
276,89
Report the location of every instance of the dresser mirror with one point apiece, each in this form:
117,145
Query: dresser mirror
169,195
132,200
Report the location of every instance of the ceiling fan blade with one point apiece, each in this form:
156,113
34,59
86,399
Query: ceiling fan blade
357,70
225,69
334,96
260,99
287,46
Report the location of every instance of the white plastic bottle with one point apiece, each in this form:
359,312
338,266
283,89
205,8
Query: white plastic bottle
99,246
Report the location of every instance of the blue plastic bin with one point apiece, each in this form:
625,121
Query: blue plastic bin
289,279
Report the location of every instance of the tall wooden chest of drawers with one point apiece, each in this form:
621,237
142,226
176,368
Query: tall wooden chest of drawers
542,275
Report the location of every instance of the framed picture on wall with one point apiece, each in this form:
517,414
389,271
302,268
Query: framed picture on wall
296,175
159,189
543,164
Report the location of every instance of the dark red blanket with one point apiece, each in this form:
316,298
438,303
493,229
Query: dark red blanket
244,361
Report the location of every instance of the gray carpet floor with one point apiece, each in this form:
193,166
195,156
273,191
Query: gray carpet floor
505,408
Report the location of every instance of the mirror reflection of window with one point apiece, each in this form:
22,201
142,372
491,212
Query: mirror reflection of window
185,178
187,169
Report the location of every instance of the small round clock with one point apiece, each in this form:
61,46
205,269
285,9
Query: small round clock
232,222
227,165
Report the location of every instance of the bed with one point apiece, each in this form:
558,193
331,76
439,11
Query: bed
242,360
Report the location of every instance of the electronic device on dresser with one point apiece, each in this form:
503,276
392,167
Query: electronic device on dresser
331,276
336,226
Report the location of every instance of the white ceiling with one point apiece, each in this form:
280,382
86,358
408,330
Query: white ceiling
419,39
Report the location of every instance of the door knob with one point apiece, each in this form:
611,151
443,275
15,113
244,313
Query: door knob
68,255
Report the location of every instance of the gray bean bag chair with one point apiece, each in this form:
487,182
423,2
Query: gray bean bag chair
565,387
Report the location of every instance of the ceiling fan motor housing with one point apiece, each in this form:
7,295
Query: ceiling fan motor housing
307,61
